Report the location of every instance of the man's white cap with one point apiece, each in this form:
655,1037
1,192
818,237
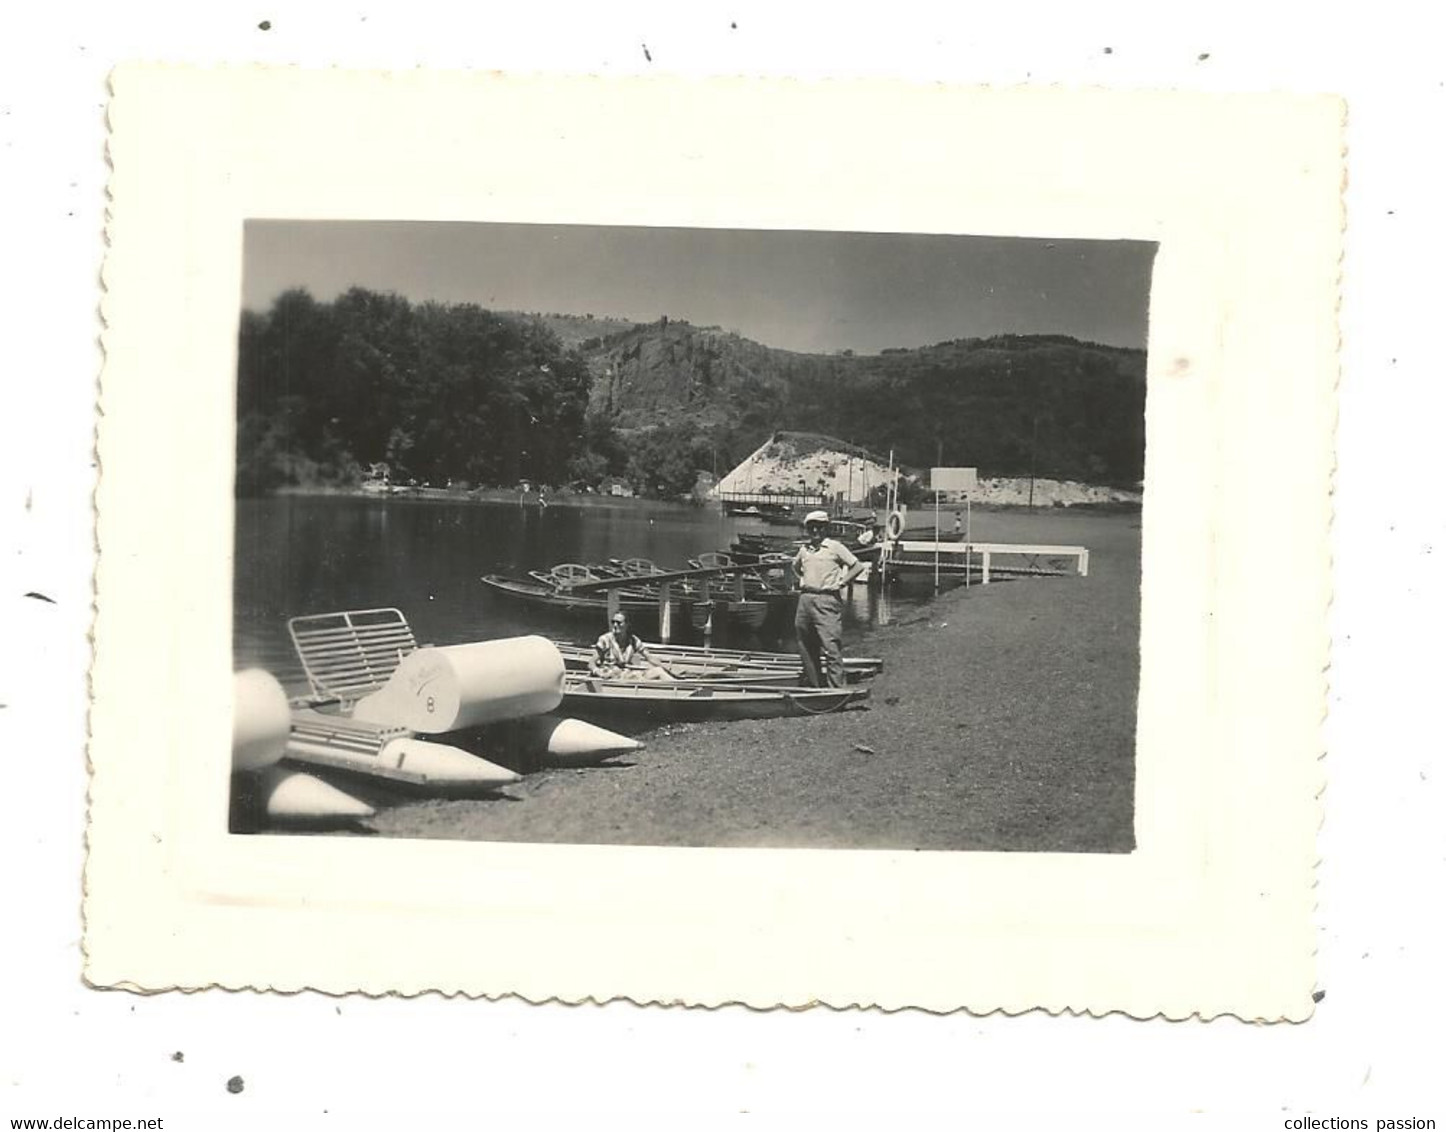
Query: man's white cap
815,517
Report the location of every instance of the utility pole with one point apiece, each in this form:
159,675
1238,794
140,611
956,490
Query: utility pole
1034,435
936,535
1033,450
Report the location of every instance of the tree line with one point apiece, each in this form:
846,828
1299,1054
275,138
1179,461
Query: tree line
443,394
454,393
438,393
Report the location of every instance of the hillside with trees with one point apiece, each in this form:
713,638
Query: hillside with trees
1008,405
455,393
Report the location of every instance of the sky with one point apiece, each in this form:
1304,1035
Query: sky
814,292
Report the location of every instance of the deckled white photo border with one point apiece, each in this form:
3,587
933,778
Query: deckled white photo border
1210,915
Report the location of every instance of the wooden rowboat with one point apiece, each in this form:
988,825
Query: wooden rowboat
649,702
641,611
779,669
724,600
770,579
577,658
854,666
554,590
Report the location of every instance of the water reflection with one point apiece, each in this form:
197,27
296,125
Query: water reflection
870,605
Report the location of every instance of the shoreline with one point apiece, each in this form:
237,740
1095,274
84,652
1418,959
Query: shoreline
1003,720
626,502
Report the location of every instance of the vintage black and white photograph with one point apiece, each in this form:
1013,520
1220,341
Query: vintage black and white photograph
341,370
689,537
812,545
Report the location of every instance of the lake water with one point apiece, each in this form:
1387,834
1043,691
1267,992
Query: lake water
317,554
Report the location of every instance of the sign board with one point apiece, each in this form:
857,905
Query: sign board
954,481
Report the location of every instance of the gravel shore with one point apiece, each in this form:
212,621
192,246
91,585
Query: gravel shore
1004,720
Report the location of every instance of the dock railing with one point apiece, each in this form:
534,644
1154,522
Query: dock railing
792,498
959,557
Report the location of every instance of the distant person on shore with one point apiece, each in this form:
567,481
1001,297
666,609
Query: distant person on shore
824,567
621,655
958,526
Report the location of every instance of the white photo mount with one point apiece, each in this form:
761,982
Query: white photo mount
1211,915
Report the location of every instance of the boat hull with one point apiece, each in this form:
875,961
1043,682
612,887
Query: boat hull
647,703
578,658
855,667
642,612
640,606
718,600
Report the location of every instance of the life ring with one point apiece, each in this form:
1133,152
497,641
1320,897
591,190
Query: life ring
895,526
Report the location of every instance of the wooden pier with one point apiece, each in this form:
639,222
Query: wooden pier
913,556
772,498
970,558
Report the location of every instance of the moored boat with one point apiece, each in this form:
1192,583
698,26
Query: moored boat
578,658
856,667
769,577
649,702
863,540
642,611
716,599
696,598
700,600
772,510
729,665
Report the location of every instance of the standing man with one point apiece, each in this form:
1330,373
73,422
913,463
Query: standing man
824,567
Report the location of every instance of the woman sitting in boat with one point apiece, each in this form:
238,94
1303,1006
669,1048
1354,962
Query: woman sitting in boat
621,655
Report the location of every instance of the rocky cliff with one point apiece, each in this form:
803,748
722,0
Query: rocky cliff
1008,405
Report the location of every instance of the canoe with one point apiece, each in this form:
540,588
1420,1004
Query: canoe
740,668
758,658
577,658
648,702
